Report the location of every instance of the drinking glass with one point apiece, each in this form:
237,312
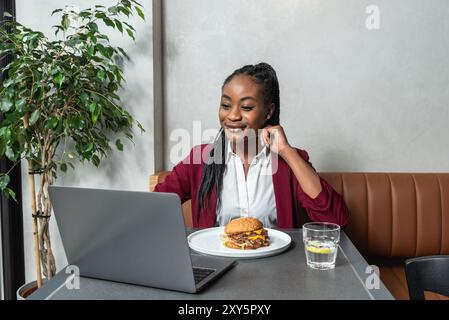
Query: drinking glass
321,244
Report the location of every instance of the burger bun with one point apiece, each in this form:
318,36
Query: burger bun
245,224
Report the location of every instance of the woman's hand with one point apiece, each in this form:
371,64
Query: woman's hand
274,136
309,180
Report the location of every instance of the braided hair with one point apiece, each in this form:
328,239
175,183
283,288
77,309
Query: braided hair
215,166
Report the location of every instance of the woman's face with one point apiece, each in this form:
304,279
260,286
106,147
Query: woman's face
242,108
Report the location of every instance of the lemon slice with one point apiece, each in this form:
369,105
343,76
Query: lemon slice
318,250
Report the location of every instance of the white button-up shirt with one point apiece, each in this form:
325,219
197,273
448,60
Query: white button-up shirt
250,197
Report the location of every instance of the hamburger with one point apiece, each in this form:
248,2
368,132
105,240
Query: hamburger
245,233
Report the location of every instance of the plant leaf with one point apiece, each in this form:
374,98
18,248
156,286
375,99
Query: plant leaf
94,111
21,104
76,123
93,26
109,22
59,79
65,21
142,129
9,193
101,74
119,25
5,104
123,52
130,33
55,11
88,147
95,160
125,10
136,3
129,26
52,123
9,153
4,181
140,12
35,116
5,133
119,144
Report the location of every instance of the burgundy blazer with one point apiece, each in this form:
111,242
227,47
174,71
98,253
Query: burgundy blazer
328,206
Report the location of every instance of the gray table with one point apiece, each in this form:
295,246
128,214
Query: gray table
284,276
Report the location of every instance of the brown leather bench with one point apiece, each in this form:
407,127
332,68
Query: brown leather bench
392,217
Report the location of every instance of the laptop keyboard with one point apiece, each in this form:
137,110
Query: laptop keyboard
201,273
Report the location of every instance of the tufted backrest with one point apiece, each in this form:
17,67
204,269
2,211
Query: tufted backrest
396,214
390,214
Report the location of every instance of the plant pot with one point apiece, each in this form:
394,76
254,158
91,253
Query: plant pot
27,289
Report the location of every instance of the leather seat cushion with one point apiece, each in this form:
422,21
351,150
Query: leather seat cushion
393,276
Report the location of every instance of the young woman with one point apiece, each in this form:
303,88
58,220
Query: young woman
251,169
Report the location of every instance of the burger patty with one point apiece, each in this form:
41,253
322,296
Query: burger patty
243,238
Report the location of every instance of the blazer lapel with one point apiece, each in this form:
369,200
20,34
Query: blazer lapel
282,191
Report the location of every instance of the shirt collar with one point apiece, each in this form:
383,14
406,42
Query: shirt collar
263,154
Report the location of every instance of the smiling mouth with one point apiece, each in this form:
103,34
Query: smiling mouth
235,130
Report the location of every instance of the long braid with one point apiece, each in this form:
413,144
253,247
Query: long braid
213,171
215,165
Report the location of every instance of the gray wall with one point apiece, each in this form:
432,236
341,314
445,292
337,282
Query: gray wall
128,170
355,99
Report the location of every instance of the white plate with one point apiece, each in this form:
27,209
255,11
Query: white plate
208,241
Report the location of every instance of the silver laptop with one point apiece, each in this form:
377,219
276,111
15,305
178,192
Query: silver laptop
131,237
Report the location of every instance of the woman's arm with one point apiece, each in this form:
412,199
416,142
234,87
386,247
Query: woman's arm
315,194
178,181
307,177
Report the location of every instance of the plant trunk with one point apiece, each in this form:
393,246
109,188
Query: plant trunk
41,209
33,212
47,257
45,208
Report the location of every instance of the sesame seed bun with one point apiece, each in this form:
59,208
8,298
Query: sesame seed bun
243,225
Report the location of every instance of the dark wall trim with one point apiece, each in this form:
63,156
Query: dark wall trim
158,85
11,211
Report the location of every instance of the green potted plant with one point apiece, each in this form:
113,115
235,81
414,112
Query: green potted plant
60,103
